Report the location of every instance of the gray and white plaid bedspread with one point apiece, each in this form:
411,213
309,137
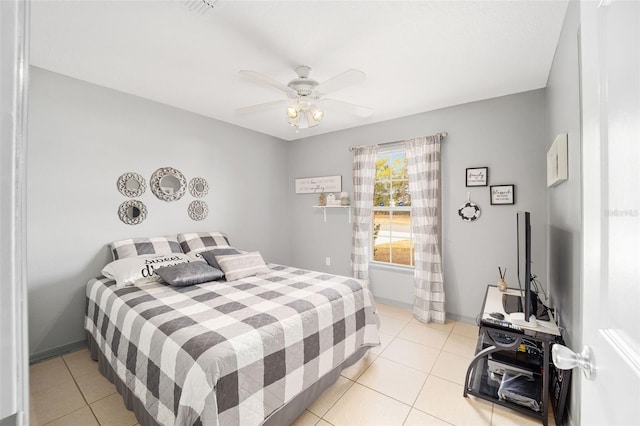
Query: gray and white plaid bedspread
229,353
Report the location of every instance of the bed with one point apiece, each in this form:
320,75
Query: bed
255,350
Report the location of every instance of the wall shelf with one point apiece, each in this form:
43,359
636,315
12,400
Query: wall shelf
324,210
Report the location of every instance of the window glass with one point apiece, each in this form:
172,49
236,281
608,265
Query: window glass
392,238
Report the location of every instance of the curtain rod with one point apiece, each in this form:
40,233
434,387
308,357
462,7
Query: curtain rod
442,134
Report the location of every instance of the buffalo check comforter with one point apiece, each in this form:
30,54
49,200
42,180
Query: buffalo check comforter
229,353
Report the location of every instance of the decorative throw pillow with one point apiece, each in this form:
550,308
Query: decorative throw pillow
185,274
210,255
141,269
199,241
236,266
134,247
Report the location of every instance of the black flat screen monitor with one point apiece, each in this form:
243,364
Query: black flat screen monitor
524,263
528,302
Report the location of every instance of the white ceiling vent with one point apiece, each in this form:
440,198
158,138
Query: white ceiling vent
201,7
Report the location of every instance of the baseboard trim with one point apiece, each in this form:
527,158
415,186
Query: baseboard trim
469,320
57,351
393,303
459,318
12,420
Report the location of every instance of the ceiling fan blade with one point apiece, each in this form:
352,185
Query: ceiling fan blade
358,110
260,78
340,81
260,107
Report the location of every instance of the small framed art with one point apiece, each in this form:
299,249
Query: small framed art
557,161
477,176
503,194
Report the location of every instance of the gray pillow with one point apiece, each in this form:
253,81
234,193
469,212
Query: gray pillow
185,274
242,265
210,255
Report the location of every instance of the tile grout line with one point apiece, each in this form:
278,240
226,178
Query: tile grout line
413,406
336,401
407,416
80,390
77,387
385,395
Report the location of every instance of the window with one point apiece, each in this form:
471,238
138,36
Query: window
392,238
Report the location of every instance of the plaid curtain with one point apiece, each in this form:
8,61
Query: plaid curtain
423,167
364,175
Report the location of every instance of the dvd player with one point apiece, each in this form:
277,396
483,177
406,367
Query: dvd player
497,367
514,361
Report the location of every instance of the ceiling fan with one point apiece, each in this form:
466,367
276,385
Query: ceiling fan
305,106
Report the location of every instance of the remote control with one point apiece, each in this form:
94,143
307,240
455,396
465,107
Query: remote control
505,325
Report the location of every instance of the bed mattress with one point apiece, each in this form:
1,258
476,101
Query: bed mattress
229,353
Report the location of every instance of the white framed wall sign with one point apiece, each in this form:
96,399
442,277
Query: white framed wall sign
319,184
503,194
557,161
477,176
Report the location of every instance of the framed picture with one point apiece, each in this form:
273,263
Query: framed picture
557,161
319,184
477,176
503,194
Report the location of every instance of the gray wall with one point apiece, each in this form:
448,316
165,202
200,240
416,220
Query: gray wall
88,135
565,200
507,134
81,138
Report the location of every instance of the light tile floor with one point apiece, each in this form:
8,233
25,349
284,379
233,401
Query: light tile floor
415,378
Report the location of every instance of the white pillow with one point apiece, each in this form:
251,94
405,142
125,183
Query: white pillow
140,269
236,266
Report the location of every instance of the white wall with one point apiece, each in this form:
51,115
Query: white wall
82,137
506,134
565,200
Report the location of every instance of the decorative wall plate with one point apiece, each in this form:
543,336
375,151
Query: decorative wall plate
198,210
132,212
198,187
469,211
131,185
168,184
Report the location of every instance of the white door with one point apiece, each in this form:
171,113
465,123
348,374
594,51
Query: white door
14,350
610,49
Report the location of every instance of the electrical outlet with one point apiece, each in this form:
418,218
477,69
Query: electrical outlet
327,261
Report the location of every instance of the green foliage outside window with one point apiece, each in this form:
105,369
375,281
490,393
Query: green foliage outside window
392,181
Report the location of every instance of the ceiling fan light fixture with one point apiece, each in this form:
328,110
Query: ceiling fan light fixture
304,107
310,119
294,121
303,121
316,113
292,111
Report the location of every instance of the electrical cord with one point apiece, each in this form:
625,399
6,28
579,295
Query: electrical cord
538,287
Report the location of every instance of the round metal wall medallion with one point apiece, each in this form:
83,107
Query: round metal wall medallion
198,210
198,187
131,184
132,212
168,184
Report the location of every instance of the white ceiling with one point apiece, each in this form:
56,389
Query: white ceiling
417,55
